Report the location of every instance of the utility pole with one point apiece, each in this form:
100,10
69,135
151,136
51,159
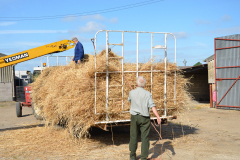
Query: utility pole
185,62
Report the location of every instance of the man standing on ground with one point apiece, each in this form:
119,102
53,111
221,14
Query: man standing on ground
78,52
141,100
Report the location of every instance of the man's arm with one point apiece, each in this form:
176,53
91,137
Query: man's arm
153,106
81,51
154,109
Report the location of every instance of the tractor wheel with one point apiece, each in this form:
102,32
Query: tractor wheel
19,109
38,117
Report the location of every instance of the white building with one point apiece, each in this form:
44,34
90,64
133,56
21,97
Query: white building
22,78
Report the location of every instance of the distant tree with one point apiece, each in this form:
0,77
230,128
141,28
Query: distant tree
197,64
34,77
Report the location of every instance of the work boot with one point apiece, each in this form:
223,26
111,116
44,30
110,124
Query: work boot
133,156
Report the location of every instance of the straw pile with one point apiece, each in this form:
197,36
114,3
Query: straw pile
66,94
45,143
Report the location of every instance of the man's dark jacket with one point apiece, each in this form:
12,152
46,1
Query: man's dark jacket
78,52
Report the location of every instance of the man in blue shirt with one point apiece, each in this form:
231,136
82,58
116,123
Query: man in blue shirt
78,51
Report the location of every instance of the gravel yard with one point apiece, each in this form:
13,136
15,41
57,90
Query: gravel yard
201,133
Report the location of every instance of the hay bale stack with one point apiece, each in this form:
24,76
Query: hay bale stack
66,94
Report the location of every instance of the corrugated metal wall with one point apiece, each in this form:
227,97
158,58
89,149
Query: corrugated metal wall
225,77
6,74
7,88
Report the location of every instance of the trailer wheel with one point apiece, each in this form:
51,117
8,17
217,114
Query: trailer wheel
38,117
19,109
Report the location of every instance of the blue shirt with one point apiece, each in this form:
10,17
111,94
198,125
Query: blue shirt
141,100
78,52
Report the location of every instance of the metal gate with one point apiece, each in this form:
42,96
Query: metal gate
68,59
227,71
137,68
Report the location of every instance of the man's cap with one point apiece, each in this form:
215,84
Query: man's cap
74,38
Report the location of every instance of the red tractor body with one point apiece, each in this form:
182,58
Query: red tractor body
28,102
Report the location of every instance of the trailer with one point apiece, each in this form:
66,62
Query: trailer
108,45
122,58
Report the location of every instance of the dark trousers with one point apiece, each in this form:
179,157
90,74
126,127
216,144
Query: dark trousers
139,123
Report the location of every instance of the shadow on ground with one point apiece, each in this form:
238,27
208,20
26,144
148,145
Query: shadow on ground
22,127
121,134
26,115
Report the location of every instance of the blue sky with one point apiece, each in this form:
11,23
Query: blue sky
195,23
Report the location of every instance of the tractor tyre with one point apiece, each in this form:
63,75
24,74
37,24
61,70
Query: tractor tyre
38,117
19,109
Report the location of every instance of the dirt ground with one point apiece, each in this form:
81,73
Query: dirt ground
201,133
